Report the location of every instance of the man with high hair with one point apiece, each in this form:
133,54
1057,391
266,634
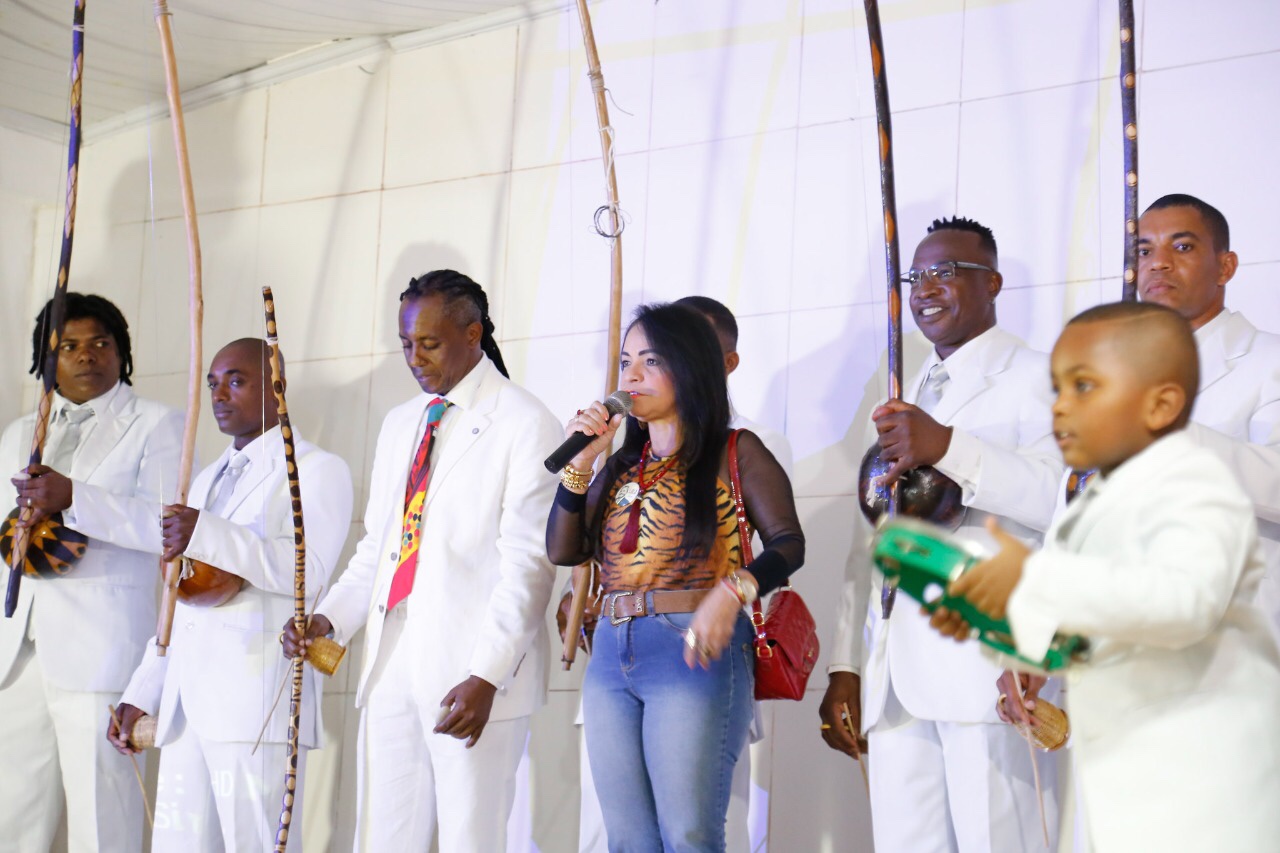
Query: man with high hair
1184,263
945,772
110,463
214,689
451,583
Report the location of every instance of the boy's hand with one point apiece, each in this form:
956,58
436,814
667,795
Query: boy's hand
988,585
948,623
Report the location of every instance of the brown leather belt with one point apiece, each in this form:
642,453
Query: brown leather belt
626,604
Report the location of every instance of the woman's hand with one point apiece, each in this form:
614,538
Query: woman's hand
593,420
712,627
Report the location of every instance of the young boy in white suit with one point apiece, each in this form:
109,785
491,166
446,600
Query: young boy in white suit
110,463
945,773
1174,738
214,689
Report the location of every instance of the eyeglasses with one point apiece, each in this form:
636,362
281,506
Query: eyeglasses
940,272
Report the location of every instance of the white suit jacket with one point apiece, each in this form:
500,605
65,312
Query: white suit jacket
91,626
1003,455
1174,717
1237,416
483,581
224,663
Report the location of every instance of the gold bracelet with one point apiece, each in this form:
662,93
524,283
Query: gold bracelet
746,592
575,480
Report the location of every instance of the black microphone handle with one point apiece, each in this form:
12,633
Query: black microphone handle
572,446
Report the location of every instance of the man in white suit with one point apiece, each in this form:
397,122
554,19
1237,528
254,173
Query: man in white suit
111,463
451,583
946,774
214,689
1184,263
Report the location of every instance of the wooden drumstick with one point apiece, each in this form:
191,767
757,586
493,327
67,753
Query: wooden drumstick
1035,765
137,773
847,719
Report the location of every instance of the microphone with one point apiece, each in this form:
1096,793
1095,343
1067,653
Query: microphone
617,403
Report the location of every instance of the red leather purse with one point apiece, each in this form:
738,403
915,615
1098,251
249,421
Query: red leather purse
786,636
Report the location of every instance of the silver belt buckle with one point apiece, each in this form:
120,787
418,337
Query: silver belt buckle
614,618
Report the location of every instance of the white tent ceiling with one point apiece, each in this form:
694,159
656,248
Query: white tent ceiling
214,39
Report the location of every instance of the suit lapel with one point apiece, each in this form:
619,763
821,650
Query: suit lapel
970,383
1230,342
463,435
259,470
404,445
107,433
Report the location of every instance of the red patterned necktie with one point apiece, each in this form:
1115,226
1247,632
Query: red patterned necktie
415,493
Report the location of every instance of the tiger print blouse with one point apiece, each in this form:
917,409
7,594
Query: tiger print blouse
590,526
656,563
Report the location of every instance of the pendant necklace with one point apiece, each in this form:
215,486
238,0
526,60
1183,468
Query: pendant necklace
631,495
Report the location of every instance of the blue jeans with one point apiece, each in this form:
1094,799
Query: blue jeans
663,739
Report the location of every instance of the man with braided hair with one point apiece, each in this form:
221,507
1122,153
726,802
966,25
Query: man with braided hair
451,582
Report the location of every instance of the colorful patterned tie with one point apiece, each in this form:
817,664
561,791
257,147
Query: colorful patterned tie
415,493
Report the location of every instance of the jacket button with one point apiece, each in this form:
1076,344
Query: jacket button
393,556
475,430
382,608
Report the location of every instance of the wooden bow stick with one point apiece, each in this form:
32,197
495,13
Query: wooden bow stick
1077,480
892,264
57,312
583,575
173,569
299,575
1129,117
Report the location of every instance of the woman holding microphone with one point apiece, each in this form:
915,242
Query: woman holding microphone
668,690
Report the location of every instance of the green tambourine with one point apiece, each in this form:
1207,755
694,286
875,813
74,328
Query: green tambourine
922,558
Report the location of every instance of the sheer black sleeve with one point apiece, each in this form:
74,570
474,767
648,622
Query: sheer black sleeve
771,508
573,527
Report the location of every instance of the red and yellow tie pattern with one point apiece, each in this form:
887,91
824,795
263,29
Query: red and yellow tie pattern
415,494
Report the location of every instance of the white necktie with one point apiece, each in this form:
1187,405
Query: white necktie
70,425
935,384
224,485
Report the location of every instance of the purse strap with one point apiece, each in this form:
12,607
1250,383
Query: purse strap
744,537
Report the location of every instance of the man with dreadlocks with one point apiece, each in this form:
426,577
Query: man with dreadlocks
946,773
110,463
451,582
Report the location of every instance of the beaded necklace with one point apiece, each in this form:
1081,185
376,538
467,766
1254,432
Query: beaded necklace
632,494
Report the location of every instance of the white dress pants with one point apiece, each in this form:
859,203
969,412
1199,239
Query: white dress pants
54,744
413,782
217,797
939,787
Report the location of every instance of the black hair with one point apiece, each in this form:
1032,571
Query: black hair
726,325
82,306
264,350
959,223
1179,354
1219,231
691,356
465,303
